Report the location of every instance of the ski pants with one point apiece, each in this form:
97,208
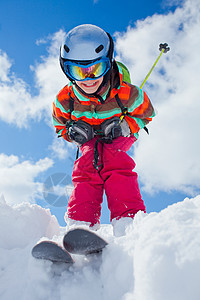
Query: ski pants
116,177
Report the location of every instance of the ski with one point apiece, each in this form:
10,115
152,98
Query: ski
75,241
48,250
83,241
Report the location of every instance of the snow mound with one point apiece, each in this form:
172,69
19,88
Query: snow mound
158,258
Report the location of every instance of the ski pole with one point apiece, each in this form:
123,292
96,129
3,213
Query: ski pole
164,49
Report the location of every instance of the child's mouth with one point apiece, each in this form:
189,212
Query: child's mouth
90,84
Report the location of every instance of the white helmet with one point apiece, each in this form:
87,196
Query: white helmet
86,44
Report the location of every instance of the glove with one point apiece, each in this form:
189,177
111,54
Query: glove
80,132
114,128
126,132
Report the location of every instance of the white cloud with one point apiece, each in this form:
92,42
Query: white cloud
17,105
18,178
5,65
62,149
169,158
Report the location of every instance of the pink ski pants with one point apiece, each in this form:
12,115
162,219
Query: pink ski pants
116,177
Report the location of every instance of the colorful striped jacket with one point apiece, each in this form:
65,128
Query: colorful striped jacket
93,111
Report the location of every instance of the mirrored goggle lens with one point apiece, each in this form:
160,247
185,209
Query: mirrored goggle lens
91,72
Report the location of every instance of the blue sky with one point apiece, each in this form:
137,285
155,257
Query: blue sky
30,35
24,22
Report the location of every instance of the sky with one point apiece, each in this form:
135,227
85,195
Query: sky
36,166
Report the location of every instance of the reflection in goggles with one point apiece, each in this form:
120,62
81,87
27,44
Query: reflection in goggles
82,73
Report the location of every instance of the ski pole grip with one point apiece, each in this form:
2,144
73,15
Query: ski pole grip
164,48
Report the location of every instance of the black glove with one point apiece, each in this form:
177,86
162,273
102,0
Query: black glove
80,132
114,128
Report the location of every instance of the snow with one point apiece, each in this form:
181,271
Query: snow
157,258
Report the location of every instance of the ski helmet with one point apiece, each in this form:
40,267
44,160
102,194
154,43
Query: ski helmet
86,44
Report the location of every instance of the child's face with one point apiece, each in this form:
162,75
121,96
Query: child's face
90,86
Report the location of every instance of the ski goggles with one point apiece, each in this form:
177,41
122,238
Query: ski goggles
79,71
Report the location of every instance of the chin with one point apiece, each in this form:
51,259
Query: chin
89,91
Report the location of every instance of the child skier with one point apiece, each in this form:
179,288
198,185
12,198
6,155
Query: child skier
102,114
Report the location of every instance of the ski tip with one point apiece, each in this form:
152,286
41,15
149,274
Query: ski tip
48,250
83,241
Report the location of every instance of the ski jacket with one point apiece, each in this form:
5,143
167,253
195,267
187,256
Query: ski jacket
94,110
